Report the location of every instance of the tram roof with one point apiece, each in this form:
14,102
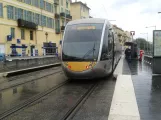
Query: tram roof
87,20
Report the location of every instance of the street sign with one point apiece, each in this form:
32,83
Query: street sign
132,33
157,43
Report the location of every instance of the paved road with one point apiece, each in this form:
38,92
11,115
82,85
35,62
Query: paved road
147,92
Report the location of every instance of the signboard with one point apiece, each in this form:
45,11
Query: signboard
157,43
132,33
18,41
9,38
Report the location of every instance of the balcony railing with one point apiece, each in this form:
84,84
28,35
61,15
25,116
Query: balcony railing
56,2
57,30
62,14
69,16
26,24
62,28
57,15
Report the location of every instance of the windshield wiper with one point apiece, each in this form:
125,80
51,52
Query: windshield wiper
66,57
88,52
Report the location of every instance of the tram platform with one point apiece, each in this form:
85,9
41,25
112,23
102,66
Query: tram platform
137,94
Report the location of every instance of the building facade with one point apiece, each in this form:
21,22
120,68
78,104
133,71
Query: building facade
79,10
123,36
32,27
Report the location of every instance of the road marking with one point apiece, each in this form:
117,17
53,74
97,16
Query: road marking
124,105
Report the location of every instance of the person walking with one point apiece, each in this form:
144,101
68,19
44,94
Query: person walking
128,54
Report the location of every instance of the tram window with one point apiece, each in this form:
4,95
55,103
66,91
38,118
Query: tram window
110,41
105,46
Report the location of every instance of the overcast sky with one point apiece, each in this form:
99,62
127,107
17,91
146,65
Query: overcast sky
130,15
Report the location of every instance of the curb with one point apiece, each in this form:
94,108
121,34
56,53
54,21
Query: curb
118,69
27,70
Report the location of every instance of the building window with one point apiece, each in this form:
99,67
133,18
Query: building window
43,21
67,11
55,9
16,13
22,34
1,10
28,2
20,0
25,15
37,18
40,19
48,7
52,8
53,23
62,10
63,23
57,24
20,13
84,9
42,4
31,35
62,2
29,16
67,4
13,32
10,12
49,23
35,3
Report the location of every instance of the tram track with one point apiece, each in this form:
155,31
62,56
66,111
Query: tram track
68,115
31,100
28,81
72,111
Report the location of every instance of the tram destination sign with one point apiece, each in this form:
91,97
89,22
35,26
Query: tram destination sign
157,43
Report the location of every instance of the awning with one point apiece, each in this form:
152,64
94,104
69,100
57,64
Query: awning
49,47
15,46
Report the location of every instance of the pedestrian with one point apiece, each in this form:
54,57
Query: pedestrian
128,54
141,55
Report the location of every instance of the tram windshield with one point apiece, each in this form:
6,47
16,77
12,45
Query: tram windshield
82,42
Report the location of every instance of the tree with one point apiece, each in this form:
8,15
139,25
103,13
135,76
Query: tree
143,44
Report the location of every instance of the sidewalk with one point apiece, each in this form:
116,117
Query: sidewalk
136,85
124,105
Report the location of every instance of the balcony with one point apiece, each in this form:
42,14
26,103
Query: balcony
57,15
62,28
62,14
119,34
68,16
26,24
57,30
56,2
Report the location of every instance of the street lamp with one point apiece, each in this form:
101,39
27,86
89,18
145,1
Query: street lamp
149,44
46,36
147,40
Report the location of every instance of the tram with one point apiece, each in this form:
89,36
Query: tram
90,49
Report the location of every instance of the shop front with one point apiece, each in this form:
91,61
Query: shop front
17,50
49,48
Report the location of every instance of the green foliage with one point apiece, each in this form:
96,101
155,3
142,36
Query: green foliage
143,44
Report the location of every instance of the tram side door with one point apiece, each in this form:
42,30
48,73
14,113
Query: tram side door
110,47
